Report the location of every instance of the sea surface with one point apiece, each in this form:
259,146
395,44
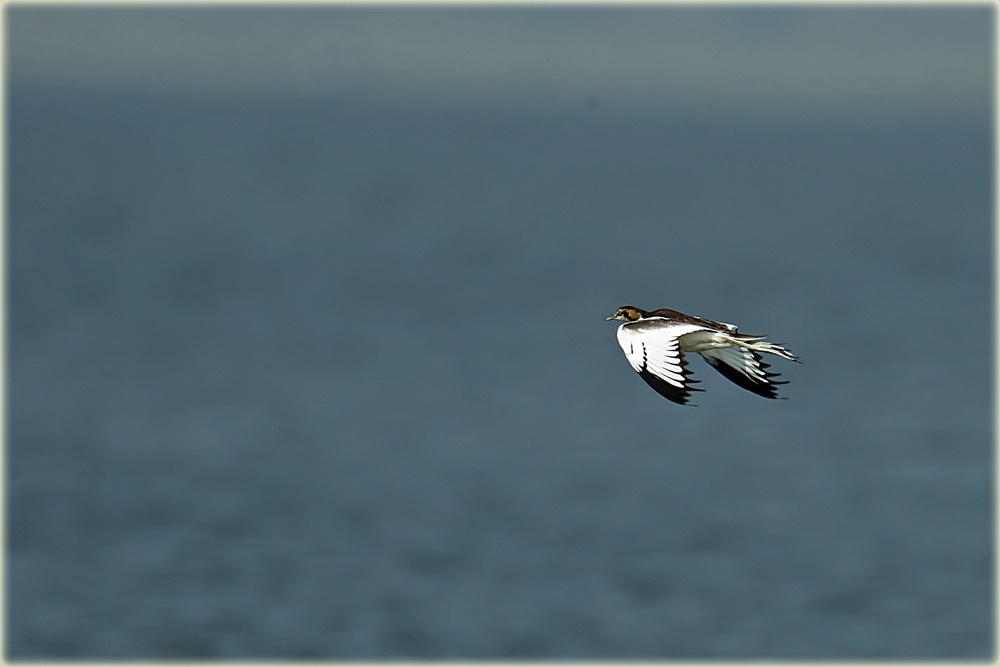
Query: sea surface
321,372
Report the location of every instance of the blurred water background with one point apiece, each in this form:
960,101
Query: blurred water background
306,350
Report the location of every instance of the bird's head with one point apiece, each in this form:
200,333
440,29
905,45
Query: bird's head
625,314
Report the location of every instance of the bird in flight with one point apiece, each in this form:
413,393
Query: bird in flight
655,342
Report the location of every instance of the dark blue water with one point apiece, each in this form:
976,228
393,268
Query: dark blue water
325,375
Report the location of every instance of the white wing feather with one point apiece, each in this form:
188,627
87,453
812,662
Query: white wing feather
652,345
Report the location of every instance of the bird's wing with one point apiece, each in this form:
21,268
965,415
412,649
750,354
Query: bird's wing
745,368
654,352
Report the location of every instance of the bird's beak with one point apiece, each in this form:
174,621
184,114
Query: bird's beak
611,317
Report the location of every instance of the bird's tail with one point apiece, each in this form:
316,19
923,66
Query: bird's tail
765,346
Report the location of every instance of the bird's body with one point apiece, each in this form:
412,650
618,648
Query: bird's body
654,343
